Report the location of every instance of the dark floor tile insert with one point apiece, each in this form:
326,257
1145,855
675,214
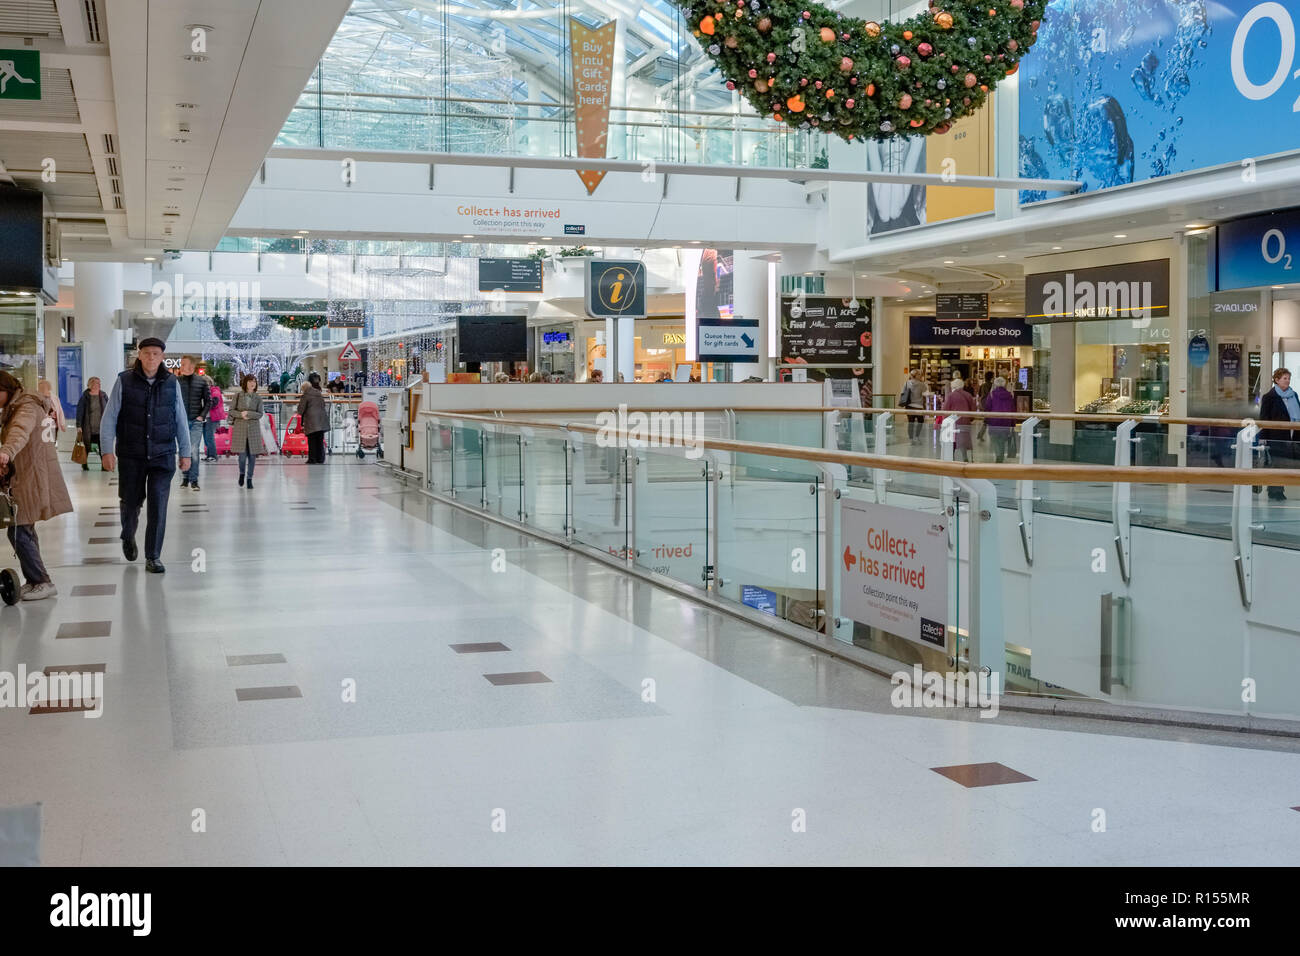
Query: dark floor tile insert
94,590
982,774
484,648
85,629
266,693
105,524
99,560
104,540
519,677
68,708
77,669
302,507
239,660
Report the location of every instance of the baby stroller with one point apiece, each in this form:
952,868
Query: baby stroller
295,439
10,584
368,430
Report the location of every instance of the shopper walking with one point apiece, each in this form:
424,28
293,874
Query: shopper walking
315,419
961,400
1000,399
145,425
980,396
246,429
29,463
196,393
1280,404
47,393
215,418
90,413
913,396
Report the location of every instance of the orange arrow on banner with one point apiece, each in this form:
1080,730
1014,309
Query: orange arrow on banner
592,56
849,559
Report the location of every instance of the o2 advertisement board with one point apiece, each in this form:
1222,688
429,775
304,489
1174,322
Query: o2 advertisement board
1259,251
1121,91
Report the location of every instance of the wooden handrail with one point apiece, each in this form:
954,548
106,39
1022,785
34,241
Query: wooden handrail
945,469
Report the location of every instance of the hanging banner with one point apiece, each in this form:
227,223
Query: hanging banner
70,378
592,56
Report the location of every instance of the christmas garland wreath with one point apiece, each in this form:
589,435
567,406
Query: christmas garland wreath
807,66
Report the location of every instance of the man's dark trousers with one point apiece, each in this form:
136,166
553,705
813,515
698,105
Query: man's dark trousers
140,480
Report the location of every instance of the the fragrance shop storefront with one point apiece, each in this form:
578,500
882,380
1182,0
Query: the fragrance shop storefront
944,349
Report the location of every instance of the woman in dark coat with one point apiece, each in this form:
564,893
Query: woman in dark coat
315,419
90,412
1280,404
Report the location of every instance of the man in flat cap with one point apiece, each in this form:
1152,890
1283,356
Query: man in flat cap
145,429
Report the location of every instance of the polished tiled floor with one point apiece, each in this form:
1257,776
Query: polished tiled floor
353,684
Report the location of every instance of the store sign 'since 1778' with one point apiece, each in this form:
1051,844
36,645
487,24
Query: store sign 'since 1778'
1126,290
894,570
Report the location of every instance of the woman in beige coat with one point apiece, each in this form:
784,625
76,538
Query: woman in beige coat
246,428
30,465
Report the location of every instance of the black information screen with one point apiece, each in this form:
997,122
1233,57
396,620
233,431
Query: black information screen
950,306
510,275
493,338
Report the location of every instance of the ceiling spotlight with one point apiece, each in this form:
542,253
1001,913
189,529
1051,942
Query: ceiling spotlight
948,262
695,242
150,259
547,239
1058,248
467,237
1002,255
1121,235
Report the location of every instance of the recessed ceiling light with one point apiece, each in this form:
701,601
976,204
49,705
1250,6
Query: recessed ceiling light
150,259
695,242
1121,235
1058,247
467,237
1002,255
1195,225
948,262
547,239
1278,287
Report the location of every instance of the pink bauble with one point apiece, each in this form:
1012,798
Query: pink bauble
971,80
924,49
849,103
803,81
730,85
1017,4
954,67
903,62
905,101
988,57
846,65
818,84
806,14
1013,46
771,58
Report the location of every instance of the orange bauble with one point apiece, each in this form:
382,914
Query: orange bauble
827,35
943,20
907,34
707,26
795,104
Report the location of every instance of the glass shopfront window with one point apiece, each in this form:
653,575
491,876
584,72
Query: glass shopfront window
1227,342
20,338
1122,366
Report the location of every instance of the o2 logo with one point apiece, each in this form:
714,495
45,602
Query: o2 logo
1273,248
1286,28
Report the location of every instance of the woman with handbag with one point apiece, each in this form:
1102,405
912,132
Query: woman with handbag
29,462
246,430
90,412
913,396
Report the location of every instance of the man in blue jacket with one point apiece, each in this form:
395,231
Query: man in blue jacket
145,426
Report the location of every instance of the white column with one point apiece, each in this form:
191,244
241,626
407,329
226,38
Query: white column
97,291
749,282
626,350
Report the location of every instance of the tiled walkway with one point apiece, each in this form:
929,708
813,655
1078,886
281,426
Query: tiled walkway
332,672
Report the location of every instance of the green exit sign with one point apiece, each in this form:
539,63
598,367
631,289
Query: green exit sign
20,75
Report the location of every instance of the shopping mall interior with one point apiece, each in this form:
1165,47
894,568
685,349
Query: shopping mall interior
918,520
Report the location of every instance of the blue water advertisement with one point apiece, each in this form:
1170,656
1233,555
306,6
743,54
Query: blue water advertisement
1259,251
1120,91
751,595
70,385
